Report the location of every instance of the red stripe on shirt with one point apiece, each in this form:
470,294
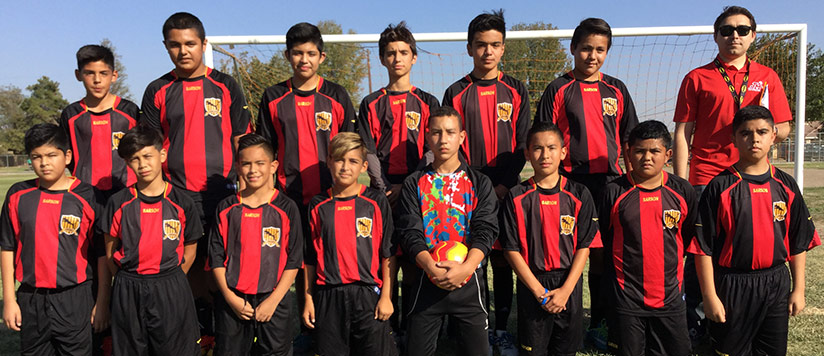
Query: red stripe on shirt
101,137
308,148
521,219
652,248
225,124
594,122
47,238
398,148
550,226
347,248
726,222
251,241
488,108
285,232
194,139
763,240
150,247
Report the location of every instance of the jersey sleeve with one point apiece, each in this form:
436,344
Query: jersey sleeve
8,240
377,178
801,232
629,119
510,236
410,222
388,248
149,110
546,110
193,230
588,234
239,109
295,250
483,225
686,105
604,207
515,162
706,221
310,254
108,222
688,227
217,247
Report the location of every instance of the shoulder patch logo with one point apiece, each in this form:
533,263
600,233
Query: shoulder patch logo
212,106
69,224
610,106
323,121
567,224
779,210
116,136
364,227
270,236
413,119
504,111
671,218
171,229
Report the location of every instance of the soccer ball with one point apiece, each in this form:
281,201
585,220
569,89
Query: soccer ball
449,251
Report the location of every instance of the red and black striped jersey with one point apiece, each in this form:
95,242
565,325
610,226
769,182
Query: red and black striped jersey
94,137
151,230
256,245
646,232
547,226
753,222
199,118
595,118
51,233
396,122
300,124
496,119
435,207
349,237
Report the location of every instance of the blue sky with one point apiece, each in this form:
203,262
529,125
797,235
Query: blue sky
40,37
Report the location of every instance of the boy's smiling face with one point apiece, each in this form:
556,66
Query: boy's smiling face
305,59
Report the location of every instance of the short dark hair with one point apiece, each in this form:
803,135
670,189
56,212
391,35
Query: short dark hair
749,113
650,130
485,22
395,33
302,33
251,140
591,26
93,53
183,21
45,134
138,138
543,126
732,11
444,111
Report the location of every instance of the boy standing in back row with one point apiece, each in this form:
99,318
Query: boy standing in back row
495,112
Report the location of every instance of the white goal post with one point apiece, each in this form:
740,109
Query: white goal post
799,29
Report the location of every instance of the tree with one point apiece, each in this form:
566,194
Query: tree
120,87
536,62
815,85
10,112
43,105
345,62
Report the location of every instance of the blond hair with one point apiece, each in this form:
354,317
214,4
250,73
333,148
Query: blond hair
344,142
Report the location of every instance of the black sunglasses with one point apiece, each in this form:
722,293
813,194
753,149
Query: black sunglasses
742,30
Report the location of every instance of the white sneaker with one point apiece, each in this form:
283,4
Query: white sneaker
505,343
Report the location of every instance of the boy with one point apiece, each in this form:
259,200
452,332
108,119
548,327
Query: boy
447,200
647,218
350,263
495,112
255,250
551,223
753,220
300,115
151,232
396,118
46,238
96,123
594,138
704,112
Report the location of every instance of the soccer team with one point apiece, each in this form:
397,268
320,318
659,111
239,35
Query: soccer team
177,221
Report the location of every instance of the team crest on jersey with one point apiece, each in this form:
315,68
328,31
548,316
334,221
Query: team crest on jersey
271,236
364,227
504,111
779,210
610,106
69,224
171,229
412,120
323,121
116,136
567,224
671,218
212,106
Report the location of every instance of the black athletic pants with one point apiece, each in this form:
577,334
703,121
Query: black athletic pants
542,333
345,322
236,337
56,321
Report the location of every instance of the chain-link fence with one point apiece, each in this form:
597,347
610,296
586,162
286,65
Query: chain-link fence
13,160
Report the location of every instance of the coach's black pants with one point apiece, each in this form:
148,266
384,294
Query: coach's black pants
154,315
465,306
56,321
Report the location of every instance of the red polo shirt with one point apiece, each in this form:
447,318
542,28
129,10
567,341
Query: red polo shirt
705,99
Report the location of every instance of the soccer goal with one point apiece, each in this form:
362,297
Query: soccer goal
652,61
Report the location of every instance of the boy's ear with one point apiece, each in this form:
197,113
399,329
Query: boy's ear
563,153
469,49
162,155
322,57
68,156
77,75
286,54
114,75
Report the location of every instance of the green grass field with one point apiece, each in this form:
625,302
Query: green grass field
805,329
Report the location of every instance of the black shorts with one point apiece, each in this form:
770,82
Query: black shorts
645,334
465,306
345,322
234,336
542,333
154,313
756,305
56,321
